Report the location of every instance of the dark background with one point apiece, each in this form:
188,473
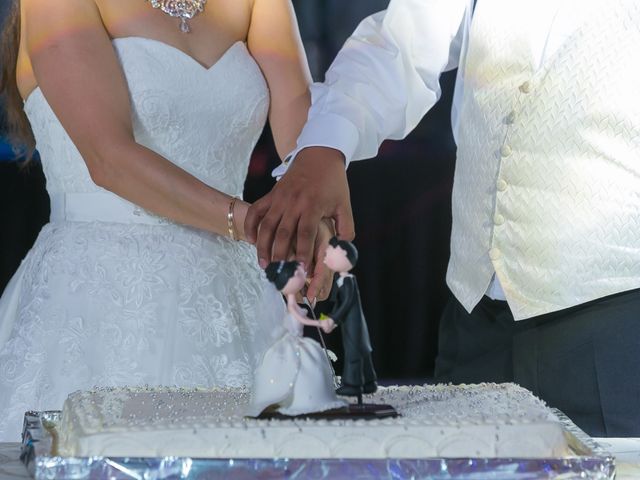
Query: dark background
401,204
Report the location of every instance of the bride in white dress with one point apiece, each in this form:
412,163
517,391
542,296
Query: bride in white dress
145,131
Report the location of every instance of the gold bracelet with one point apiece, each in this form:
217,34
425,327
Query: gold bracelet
231,226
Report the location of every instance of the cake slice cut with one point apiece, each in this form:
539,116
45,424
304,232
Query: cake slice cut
483,421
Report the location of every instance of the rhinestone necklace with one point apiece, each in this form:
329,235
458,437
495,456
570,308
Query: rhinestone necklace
183,9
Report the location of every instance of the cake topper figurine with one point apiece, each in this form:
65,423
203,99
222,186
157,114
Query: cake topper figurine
294,377
358,374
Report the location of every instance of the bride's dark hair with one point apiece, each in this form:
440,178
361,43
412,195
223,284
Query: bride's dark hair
279,273
19,128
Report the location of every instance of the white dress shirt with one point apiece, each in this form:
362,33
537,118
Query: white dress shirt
386,77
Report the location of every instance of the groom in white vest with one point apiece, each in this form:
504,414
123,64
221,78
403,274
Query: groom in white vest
545,248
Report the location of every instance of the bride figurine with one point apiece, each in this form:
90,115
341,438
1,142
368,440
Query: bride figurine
294,376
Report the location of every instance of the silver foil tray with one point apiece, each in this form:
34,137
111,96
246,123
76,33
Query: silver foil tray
589,462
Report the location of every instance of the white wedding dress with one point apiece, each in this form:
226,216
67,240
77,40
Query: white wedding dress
294,376
111,295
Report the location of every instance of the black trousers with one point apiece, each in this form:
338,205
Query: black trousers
584,361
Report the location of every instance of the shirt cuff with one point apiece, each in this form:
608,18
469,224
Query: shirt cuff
324,130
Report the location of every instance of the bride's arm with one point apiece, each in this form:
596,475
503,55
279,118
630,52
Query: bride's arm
78,72
274,41
299,314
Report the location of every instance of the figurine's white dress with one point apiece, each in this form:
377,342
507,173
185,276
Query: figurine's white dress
111,295
294,376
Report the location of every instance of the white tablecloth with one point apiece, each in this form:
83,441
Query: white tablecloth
626,451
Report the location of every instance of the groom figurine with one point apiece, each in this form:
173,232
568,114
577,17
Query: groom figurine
358,375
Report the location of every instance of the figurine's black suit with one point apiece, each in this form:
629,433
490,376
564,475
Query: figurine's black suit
358,375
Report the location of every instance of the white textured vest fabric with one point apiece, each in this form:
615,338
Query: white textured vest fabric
547,186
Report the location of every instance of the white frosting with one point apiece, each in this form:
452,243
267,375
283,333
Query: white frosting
486,420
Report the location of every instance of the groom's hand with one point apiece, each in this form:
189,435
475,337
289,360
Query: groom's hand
315,187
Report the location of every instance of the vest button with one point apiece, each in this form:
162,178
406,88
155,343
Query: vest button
494,254
506,150
501,185
526,87
498,220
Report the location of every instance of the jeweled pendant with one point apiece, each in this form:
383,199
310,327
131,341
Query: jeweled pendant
184,26
182,9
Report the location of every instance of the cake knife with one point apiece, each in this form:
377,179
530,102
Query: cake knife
324,345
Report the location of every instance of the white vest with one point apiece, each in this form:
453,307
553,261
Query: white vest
547,183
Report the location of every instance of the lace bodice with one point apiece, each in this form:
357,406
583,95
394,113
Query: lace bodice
198,118
293,326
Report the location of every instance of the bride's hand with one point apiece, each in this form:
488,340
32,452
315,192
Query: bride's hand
322,277
328,325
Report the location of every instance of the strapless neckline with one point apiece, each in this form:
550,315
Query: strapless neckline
166,46
204,119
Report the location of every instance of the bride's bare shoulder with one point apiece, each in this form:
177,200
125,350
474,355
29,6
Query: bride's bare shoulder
44,22
69,11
